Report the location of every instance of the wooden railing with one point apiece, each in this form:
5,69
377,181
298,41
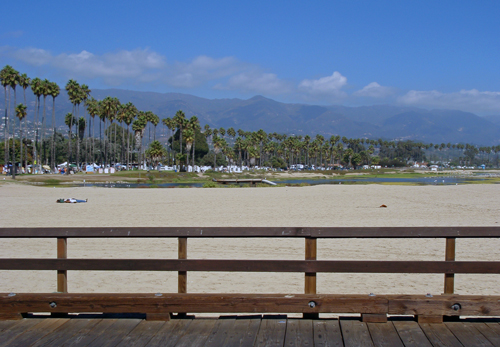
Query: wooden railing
160,305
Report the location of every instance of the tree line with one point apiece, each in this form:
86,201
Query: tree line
124,128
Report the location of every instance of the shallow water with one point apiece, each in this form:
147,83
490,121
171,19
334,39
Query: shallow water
357,180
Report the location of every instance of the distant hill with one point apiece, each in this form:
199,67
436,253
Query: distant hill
389,122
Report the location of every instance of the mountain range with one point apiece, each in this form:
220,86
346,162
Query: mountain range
378,121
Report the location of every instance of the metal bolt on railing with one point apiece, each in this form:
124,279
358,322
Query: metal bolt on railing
11,294
429,295
456,307
312,304
371,294
53,304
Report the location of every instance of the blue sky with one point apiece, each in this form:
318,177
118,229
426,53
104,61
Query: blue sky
431,54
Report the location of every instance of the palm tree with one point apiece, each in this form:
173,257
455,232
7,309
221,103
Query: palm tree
72,88
93,110
54,92
109,107
138,126
155,152
189,135
21,114
45,90
85,93
169,123
69,120
130,113
5,83
194,123
180,121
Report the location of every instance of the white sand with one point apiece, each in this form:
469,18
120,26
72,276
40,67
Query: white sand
328,205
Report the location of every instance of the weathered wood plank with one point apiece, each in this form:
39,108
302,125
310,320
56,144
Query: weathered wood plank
17,329
309,266
449,278
217,303
141,334
299,332
468,334
384,335
411,334
439,305
355,333
197,333
272,332
439,335
374,317
169,333
491,334
323,232
36,332
85,336
7,324
244,333
62,275
67,332
327,333
116,333
220,332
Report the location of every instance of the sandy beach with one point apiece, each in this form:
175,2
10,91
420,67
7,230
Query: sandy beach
327,205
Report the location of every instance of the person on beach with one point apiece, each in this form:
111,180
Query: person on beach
71,200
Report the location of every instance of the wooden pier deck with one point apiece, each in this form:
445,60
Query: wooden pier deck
246,331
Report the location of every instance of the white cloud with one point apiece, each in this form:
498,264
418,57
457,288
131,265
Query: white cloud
374,90
465,100
325,84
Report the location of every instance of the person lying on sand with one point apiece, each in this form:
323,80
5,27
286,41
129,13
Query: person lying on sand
71,200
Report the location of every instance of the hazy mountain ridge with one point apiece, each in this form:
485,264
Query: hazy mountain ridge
386,121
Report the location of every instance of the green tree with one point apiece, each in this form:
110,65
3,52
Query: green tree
21,114
155,152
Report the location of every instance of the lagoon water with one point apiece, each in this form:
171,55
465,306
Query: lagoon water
356,180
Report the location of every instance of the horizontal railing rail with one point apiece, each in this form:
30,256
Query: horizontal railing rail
244,232
159,305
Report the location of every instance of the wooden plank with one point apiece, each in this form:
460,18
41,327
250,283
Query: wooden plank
411,334
373,317
220,332
491,334
355,333
182,275
323,232
299,332
449,278
197,333
217,303
327,333
165,317
169,333
62,275
85,336
65,333
10,316
384,335
17,329
439,335
429,319
7,324
141,334
115,333
439,305
310,266
244,333
37,332
272,332
311,251
468,334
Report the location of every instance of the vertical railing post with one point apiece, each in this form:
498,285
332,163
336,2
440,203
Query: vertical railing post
62,275
449,279
182,275
310,277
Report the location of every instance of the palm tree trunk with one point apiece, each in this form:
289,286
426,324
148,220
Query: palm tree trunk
128,146
6,138
194,142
